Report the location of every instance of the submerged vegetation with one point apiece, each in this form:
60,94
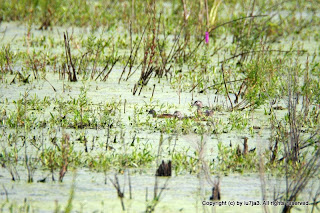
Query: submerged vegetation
78,79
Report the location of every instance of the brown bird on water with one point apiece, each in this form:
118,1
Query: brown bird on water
199,105
176,114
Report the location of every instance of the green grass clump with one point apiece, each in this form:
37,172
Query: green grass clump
232,159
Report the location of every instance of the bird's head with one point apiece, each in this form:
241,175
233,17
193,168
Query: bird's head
178,114
198,104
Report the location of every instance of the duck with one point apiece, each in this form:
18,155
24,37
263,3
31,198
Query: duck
199,105
176,114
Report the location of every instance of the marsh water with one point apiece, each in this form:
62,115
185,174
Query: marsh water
93,190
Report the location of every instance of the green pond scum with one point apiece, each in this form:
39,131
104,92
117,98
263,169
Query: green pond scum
159,106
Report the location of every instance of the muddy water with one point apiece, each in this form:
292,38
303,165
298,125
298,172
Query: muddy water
184,192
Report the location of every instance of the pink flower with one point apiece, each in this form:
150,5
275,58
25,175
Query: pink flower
207,37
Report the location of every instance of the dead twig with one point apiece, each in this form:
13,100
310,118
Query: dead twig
73,74
116,185
225,85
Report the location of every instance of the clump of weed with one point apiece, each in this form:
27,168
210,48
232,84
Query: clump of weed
232,159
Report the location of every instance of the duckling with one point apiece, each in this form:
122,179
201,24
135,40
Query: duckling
166,115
